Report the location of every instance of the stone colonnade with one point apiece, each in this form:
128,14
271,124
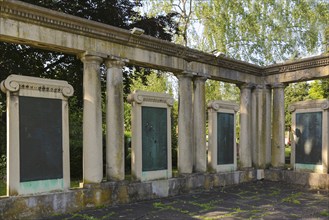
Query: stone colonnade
262,126
261,142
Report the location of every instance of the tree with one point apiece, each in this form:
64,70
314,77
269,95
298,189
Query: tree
319,89
183,9
264,32
295,92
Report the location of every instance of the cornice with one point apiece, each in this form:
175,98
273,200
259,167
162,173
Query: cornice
14,83
71,24
290,66
139,97
219,104
321,104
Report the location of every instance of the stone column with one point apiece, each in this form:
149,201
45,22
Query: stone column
278,126
199,124
245,126
92,120
114,120
262,126
185,131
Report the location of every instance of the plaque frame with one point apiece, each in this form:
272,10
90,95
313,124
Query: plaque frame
311,106
138,100
215,107
16,86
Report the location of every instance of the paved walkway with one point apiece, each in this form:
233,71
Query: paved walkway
256,200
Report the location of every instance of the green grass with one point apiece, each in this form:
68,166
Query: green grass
3,188
324,213
287,151
75,183
293,198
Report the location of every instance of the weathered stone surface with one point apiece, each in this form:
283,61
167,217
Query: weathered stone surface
108,193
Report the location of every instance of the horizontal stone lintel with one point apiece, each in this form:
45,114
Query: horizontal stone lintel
43,28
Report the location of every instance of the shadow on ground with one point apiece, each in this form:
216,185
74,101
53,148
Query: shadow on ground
255,200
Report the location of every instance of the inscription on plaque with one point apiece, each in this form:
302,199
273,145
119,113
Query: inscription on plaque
40,132
309,138
225,138
154,139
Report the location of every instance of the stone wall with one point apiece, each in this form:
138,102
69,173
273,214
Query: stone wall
110,193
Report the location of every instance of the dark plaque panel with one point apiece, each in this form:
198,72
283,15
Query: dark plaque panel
154,139
225,138
309,138
40,139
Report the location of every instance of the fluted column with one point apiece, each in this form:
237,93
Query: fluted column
261,156
245,126
92,120
278,126
185,131
199,127
114,120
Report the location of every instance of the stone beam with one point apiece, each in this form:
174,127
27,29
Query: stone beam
223,74
300,70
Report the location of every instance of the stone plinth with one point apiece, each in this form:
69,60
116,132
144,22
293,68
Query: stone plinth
222,152
37,134
151,135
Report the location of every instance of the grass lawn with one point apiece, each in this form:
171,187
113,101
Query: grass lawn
3,190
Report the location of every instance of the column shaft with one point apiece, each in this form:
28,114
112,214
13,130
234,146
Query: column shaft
92,120
114,121
245,126
199,116
278,126
185,134
262,126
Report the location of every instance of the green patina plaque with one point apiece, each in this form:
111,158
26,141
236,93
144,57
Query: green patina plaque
309,138
154,139
40,133
225,138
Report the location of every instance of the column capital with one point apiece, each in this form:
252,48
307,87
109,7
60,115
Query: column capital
278,85
91,59
246,85
262,86
185,74
200,78
115,62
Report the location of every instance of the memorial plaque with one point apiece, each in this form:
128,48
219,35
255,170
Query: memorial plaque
154,139
225,138
40,132
309,138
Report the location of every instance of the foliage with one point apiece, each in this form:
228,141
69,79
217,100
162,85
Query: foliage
216,90
184,11
3,165
263,32
319,89
295,92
